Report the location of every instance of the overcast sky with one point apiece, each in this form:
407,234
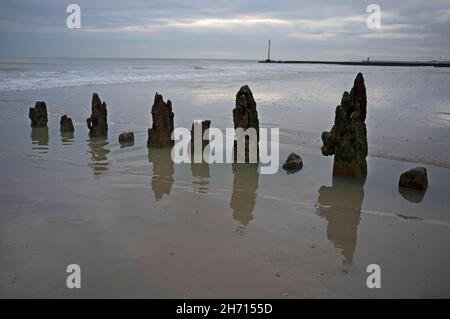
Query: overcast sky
237,29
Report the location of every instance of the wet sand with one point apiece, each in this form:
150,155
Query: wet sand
141,226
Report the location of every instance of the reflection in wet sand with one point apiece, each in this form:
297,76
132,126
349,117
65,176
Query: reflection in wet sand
67,138
40,137
245,186
99,160
341,205
163,170
412,195
127,144
200,172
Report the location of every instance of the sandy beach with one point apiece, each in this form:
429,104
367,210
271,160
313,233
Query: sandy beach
141,226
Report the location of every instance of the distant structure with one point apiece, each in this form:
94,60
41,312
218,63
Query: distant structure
268,54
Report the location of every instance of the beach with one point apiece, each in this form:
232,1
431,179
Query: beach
141,226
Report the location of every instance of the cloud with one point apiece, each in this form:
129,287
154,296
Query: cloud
397,35
228,23
234,23
226,28
123,29
312,36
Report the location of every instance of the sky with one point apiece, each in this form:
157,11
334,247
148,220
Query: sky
231,29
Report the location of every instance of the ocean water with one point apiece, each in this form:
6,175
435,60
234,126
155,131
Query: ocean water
141,226
408,118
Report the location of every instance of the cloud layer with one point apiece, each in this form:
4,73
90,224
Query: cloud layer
411,30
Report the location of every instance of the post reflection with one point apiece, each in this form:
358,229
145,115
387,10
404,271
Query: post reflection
163,170
200,172
412,195
245,186
39,139
341,205
67,138
99,159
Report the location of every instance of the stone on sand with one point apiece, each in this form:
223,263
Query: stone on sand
293,163
126,138
415,178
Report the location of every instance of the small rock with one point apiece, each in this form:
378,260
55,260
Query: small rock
415,178
126,138
293,163
66,124
38,114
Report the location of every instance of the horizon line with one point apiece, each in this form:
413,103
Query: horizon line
211,59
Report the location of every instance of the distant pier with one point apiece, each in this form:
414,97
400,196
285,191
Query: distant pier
366,63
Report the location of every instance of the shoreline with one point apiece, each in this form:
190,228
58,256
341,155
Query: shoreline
395,148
